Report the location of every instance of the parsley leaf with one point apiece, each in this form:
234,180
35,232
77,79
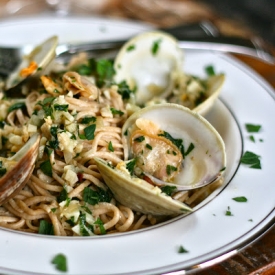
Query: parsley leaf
252,128
130,48
60,262
90,131
124,90
251,159
45,228
46,168
210,70
240,199
15,106
110,146
94,197
100,225
59,107
182,250
155,46
139,139
130,165
116,112
228,212
168,190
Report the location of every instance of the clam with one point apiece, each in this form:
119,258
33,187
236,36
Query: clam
18,169
152,64
32,64
166,145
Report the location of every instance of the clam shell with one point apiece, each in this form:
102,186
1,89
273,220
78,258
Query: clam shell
146,62
24,161
138,194
42,55
208,158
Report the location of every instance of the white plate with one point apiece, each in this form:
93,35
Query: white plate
208,234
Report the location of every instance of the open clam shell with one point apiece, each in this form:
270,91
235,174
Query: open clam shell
207,158
36,61
138,194
162,139
152,64
146,62
19,168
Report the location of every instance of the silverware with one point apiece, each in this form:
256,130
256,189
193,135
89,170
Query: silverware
200,36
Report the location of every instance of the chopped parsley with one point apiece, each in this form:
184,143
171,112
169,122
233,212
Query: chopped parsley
116,112
46,167
252,138
240,199
94,197
178,142
252,128
189,149
90,131
155,46
124,90
60,262
45,228
130,48
16,106
87,120
59,107
182,250
210,70
170,169
110,146
139,139
100,225
63,196
251,159
130,165
228,212
148,146
168,190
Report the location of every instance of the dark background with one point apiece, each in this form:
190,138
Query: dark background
258,14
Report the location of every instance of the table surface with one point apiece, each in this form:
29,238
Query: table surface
259,257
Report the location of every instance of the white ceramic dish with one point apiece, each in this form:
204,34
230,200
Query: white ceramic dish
208,234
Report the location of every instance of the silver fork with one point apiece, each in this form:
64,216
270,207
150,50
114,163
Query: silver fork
203,35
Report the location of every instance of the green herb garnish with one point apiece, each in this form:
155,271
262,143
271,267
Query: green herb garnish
87,120
45,228
46,168
60,262
100,225
170,169
116,112
90,131
155,46
252,128
139,139
148,146
16,106
210,70
94,197
189,149
130,48
130,165
228,212
182,250
240,199
110,146
168,190
63,107
251,159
